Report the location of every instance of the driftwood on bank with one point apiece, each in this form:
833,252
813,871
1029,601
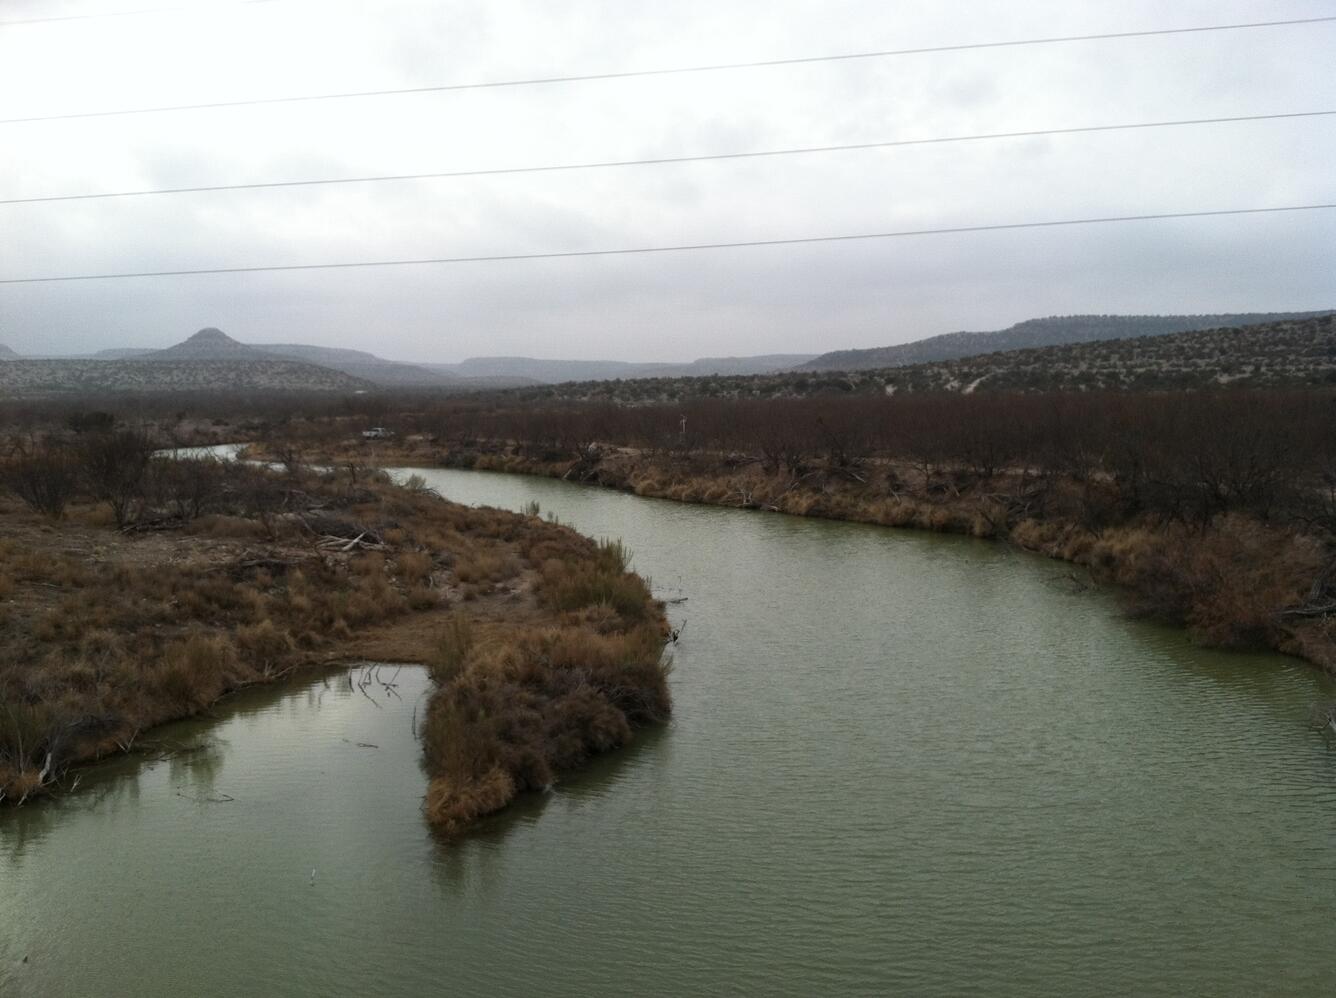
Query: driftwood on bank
343,545
334,534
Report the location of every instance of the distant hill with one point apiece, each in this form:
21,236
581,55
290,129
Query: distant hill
361,364
543,371
208,344
7,354
229,365
473,375
1051,331
761,364
1297,353
538,370
214,344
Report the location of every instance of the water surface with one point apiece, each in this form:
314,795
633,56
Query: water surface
900,763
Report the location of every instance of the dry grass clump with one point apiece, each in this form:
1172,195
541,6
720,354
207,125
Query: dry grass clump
265,647
482,566
453,647
414,566
599,581
195,672
1315,640
1230,585
517,706
422,598
525,706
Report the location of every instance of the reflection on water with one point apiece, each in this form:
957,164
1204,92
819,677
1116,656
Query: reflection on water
900,763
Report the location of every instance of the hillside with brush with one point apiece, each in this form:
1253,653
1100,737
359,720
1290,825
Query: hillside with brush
7,354
1299,353
214,344
1052,331
53,377
210,360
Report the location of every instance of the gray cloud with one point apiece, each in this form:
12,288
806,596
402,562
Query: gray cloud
656,307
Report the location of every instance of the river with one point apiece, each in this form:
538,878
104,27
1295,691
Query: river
901,763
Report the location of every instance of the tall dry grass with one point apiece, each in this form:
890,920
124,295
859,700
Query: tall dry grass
528,705
516,706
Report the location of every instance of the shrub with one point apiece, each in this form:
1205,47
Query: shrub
90,422
453,647
531,705
264,648
415,566
483,566
194,672
187,487
594,585
43,476
114,467
26,732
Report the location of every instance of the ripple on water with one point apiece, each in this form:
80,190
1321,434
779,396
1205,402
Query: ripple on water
900,763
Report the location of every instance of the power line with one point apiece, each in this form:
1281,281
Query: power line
686,247
127,13
630,74
666,160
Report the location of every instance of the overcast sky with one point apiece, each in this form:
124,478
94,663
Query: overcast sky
804,299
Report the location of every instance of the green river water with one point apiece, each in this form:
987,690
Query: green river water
901,763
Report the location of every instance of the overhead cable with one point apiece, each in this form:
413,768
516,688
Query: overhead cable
662,160
675,71
680,248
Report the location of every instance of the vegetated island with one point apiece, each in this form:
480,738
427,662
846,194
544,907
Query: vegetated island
136,589
1214,510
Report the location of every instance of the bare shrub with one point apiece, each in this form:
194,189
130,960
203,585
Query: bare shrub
42,475
187,487
114,467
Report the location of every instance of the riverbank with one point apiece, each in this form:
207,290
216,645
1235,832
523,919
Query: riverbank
1235,582
224,576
